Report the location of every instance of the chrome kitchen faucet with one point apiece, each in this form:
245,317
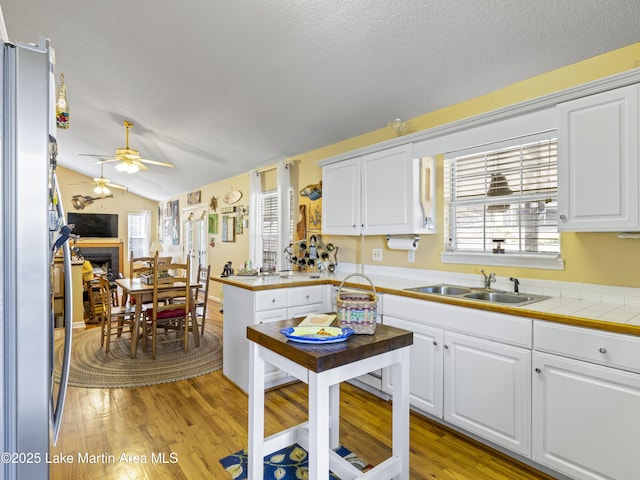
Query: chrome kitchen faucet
488,279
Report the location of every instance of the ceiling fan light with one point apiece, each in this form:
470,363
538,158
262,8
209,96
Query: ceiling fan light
101,190
127,167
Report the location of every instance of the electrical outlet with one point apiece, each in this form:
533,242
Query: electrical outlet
411,256
376,254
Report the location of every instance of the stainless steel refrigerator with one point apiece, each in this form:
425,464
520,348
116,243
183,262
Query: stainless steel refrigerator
32,217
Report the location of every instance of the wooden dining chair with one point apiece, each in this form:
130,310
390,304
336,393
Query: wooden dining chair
143,266
113,319
170,310
203,295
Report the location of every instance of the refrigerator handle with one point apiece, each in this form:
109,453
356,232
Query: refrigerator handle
68,324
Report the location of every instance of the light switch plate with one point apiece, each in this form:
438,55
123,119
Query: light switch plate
411,256
376,254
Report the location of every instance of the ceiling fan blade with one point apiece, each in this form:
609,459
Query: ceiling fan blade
94,155
115,185
107,160
140,165
155,162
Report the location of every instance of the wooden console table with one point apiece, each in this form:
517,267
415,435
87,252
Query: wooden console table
323,367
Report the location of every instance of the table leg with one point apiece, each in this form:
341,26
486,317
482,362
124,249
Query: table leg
319,400
255,458
334,419
400,412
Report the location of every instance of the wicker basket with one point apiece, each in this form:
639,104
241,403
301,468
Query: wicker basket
357,310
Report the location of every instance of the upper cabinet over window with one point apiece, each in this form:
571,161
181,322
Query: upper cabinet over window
598,172
384,192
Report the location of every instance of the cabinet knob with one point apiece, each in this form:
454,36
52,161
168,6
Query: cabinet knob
446,346
307,297
563,217
273,300
435,343
538,370
602,350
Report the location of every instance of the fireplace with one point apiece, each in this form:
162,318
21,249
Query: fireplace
104,256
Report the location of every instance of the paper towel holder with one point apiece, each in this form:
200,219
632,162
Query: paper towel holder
416,239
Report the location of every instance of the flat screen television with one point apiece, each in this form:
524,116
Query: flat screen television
94,224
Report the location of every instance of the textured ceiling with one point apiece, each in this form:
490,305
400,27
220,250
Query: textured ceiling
220,87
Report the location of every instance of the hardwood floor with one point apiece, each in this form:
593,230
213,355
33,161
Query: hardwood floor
180,430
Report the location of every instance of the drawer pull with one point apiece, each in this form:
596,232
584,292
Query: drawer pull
602,350
435,343
307,297
446,346
538,370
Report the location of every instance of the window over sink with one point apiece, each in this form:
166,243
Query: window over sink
501,203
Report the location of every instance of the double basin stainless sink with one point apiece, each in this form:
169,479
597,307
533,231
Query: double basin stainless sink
481,294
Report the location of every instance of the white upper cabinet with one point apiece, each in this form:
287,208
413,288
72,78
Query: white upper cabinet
598,159
385,192
341,198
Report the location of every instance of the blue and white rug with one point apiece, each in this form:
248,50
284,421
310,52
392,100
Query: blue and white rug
289,463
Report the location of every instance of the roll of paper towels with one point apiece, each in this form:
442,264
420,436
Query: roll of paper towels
402,243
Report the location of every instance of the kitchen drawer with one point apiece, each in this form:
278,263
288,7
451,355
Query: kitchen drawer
605,348
498,327
271,299
267,316
305,295
304,310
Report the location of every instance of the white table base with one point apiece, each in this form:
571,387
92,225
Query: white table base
321,434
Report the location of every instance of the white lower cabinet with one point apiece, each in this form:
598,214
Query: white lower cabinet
243,307
425,371
586,414
487,390
482,385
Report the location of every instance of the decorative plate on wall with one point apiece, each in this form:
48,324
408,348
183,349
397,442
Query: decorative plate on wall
232,197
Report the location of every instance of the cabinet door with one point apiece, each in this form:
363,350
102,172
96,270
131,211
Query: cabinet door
425,371
585,418
387,193
487,390
341,198
598,174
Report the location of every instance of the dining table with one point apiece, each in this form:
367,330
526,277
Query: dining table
137,289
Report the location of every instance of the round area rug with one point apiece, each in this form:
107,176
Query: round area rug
92,367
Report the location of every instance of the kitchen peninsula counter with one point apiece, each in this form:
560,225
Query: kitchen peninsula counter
612,317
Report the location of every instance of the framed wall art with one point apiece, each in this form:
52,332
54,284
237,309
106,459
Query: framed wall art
213,223
228,228
193,198
175,222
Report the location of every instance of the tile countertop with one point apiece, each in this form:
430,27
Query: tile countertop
613,317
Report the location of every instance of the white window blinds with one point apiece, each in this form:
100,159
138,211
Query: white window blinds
502,198
269,229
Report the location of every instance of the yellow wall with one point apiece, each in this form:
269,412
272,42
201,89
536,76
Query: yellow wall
73,183
235,252
598,258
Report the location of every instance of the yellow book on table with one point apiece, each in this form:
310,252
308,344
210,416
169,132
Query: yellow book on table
322,319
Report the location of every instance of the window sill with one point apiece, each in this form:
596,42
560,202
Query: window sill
547,262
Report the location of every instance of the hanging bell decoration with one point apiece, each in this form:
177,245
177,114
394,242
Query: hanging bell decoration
62,107
498,187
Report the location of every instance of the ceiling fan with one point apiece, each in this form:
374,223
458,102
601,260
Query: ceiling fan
102,184
129,160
